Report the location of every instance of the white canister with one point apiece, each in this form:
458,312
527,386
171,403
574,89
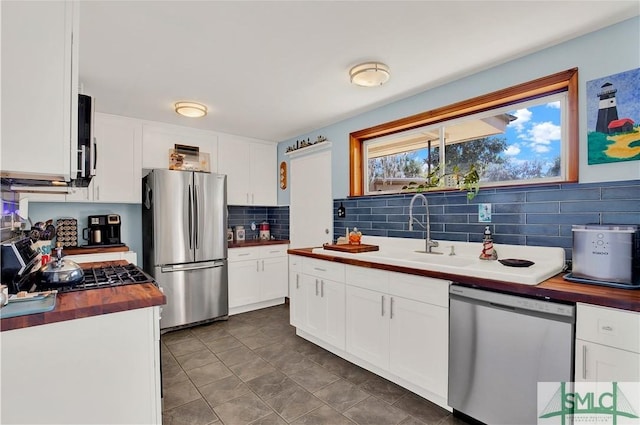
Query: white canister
239,233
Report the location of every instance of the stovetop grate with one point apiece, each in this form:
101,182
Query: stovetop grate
109,276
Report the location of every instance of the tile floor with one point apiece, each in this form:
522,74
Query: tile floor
253,369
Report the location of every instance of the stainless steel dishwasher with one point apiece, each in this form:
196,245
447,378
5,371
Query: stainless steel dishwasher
500,347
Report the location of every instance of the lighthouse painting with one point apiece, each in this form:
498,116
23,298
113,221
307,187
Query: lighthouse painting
613,118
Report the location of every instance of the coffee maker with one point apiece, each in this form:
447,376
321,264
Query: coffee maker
103,230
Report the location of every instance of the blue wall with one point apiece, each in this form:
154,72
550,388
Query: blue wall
605,52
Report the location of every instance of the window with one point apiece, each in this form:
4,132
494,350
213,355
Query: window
522,135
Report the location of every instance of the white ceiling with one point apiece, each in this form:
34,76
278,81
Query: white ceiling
274,70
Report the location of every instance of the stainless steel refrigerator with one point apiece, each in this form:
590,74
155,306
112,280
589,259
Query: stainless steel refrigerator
184,219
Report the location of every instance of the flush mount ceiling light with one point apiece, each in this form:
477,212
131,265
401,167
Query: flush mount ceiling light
370,74
190,109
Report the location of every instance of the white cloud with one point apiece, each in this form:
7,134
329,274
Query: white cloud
541,135
555,105
522,117
512,150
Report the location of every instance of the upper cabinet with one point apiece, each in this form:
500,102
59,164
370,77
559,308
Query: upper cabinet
118,159
251,169
39,88
158,139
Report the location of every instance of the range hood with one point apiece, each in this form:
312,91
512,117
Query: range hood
39,183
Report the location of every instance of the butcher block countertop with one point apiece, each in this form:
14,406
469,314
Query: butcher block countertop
78,250
93,302
257,242
554,288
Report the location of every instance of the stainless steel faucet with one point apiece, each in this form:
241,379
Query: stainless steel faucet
428,242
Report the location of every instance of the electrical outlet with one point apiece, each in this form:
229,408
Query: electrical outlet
484,213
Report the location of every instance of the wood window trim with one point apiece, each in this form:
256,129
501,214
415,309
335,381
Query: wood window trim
559,82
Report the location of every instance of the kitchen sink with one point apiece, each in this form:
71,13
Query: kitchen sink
441,259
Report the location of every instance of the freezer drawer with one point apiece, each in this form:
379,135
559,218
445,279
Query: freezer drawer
195,292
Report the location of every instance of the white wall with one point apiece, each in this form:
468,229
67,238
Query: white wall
605,52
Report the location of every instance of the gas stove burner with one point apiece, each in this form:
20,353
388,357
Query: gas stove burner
109,276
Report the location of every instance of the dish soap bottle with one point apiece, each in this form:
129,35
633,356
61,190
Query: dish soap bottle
488,251
354,236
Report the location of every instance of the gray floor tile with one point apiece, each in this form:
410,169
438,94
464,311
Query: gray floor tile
373,411
422,409
341,395
197,412
323,415
175,337
210,333
273,351
451,420
252,369
237,355
242,410
313,378
172,374
186,346
196,359
270,419
294,402
258,340
178,394
270,384
209,373
225,343
291,362
412,421
383,389
224,390
243,330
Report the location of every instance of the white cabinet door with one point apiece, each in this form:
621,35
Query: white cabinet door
251,169
244,285
297,301
418,343
158,139
39,88
596,362
264,176
367,325
332,295
273,278
118,160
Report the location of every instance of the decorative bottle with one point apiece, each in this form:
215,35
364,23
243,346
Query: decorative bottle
488,251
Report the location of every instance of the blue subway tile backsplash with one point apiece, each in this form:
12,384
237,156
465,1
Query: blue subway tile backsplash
277,217
524,215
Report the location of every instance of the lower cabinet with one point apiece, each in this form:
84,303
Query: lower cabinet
607,344
394,324
100,369
257,277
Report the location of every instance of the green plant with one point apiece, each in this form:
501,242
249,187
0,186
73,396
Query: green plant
468,180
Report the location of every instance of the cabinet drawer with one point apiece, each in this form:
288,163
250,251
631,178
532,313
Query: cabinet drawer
241,254
608,326
323,269
273,251
420,288
295,263
363,277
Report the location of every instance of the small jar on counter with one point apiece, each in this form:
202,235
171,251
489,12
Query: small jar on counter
239,233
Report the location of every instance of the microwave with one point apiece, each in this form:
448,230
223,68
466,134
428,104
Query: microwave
86,141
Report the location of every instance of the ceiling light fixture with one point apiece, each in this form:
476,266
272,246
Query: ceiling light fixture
370,74
190,109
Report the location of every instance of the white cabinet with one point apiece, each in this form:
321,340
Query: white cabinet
257,277
100,369
607,344
399,323
39,88
158,139
118,160
297,304
251,169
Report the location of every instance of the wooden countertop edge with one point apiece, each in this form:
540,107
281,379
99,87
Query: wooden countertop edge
257,242
81,304
555,288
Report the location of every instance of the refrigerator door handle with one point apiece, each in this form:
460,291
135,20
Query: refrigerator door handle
191,266
190,213
196,216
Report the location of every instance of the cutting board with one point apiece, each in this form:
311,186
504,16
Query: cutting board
354,249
